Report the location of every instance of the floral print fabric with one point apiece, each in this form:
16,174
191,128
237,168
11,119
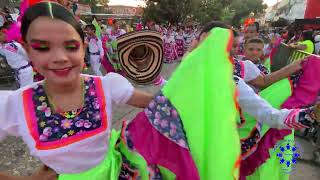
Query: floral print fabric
165,118
248,145
55,126
263,69
237,71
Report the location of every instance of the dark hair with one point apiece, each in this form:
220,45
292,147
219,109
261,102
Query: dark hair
213,24
254,40
91,27
235,33
257,25
114,21
307,35
7,24
48,9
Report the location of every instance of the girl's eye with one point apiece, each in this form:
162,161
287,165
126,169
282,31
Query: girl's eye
72,46
40,47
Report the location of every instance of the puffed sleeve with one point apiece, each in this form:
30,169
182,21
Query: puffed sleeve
263,112
251,71
119,87
8,124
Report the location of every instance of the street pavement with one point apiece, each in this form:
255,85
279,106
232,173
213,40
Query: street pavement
15,158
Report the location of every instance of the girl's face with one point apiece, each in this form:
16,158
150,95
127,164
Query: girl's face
253,51
251,32
55,49
90,32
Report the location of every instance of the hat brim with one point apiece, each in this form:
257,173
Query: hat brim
152,58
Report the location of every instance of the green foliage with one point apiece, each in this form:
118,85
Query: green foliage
243,8
202,11
162,11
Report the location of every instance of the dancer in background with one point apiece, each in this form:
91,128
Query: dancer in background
113,33
17,59
96,51
188,38
170,52
180,43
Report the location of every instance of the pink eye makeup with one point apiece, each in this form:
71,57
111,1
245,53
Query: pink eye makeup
40,46
72,45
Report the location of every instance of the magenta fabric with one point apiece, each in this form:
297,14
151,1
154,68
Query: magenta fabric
159,150
308,87
305,94
107,65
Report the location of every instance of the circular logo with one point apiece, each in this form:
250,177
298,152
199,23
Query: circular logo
287,152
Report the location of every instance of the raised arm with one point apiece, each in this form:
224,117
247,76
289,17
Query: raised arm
263,112
267,80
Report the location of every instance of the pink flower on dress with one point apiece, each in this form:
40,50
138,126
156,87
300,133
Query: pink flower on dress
157,115
92,92
47,131
87,124
79,123
164,123
97,116
161,99
96,105
174,113
66,124
43,137
152,105
173,126
173,132
44,108
156,121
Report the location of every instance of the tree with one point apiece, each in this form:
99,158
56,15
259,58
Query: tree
161,11
203,11
242,9
208,10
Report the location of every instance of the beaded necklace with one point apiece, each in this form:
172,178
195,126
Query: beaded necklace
70,114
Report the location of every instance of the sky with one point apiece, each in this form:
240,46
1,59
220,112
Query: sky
270,2
140,2
126,2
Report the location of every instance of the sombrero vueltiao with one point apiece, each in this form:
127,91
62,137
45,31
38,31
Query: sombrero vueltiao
140,55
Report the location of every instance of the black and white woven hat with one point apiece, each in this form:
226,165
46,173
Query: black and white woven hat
140,55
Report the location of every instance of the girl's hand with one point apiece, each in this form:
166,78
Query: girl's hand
293,45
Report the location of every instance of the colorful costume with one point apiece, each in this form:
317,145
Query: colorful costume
96,54
106,62
18,60
112,44
170,51
180,45
188,38
263,163
80,144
